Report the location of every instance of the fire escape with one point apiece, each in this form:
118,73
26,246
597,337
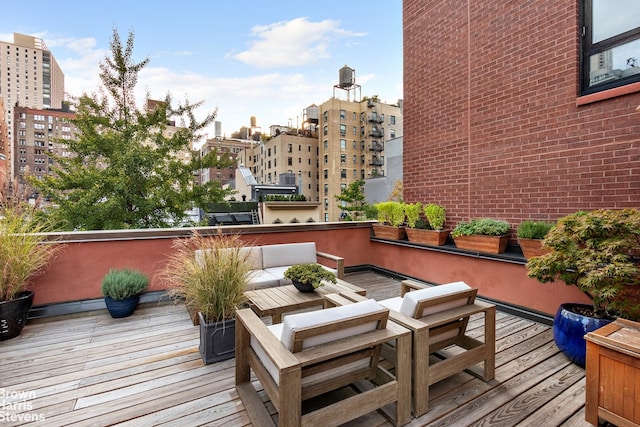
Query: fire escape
376,140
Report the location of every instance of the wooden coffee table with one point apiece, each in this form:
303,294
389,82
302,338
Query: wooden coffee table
278,300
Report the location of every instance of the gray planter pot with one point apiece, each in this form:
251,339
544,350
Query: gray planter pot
217,340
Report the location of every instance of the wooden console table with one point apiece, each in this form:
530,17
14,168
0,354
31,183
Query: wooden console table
278,300
613,374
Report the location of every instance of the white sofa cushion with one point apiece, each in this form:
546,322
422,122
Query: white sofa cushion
259,279
253,255
288,254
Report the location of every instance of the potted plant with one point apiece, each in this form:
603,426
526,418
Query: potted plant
482,235
121,289
308,277
213,284
431,231
391,218
598,252
530,235
24,253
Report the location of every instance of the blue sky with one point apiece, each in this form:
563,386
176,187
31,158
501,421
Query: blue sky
245,58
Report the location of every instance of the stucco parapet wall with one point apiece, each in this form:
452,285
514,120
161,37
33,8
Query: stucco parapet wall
172,233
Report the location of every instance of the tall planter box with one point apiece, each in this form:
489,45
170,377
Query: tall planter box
480,243
612,373
217,340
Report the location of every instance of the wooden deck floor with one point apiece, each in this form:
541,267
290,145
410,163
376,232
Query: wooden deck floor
92,370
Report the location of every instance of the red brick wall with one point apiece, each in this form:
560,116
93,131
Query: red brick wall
491,125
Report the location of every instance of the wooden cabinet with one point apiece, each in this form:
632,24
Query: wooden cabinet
613,374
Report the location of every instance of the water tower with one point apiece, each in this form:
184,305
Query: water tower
347,82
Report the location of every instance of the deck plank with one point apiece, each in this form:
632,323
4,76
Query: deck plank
145,370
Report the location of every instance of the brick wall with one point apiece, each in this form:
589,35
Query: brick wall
491,123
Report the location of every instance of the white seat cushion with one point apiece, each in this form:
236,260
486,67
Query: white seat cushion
411,299
259,279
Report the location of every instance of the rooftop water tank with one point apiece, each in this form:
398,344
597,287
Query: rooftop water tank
347,78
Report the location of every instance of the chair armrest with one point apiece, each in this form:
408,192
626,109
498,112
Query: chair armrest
411,285
338,260
281,357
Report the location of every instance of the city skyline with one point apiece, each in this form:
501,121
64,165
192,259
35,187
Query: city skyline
246,59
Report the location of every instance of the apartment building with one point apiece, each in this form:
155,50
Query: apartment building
37,133
352,143
230,147
29,77
289,159
5,166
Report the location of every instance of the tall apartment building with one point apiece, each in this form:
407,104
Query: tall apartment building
36,132
29,77
353,139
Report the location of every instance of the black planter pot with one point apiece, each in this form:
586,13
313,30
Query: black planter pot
569,329
303,287
13,315
121,307
217,340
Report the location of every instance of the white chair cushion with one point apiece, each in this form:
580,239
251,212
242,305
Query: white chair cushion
411,299
288,254
335,314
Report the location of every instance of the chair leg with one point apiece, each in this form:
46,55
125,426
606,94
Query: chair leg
420,388
490,343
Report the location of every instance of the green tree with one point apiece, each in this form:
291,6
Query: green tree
355,201
129,168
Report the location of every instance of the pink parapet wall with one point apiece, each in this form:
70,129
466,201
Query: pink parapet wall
501,281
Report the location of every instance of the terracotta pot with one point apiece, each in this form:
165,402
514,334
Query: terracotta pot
428,237
480,243
389,232
532,247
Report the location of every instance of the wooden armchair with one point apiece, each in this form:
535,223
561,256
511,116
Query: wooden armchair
438,318
312,353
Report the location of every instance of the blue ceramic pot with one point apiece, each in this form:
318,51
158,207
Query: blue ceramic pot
569,329
121,307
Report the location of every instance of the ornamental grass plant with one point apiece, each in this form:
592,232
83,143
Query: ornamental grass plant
213,280
24,250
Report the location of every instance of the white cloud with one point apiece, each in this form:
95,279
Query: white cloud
292,43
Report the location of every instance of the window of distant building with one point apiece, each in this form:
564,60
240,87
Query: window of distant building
326,130
289,161
343,130
392,120
343,144
343,115
343,158
610,44
343,173
326,173
326,159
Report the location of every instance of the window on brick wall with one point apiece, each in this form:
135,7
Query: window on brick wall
610,44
